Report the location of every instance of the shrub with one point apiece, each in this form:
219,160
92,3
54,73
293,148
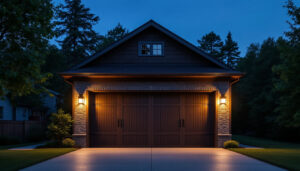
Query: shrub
68,142
60,126
231,144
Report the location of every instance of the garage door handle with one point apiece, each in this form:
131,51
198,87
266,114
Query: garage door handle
122,123
182,123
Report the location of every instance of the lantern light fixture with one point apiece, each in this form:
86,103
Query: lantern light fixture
80,99
223,100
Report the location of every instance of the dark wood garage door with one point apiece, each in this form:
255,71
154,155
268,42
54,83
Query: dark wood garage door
151,119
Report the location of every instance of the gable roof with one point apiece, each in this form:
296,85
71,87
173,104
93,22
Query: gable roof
78,70
159,27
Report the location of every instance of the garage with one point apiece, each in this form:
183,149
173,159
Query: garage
151,89
156,119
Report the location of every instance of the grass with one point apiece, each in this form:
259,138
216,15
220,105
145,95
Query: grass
285,158
282,154
3,147
18,159
261,142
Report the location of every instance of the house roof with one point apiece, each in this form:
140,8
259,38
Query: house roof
131,69
158,69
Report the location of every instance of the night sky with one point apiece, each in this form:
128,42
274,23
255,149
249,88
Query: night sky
250,21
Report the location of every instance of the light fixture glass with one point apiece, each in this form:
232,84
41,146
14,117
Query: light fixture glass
80,99
223,100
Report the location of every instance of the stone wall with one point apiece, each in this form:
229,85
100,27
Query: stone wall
80,111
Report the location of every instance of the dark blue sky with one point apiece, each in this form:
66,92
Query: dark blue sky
249,20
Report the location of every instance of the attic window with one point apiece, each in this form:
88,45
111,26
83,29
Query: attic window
151,49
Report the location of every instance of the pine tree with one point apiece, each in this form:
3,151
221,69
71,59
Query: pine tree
242,92
75,25
230,51
288,72
255,89
112,36
211,44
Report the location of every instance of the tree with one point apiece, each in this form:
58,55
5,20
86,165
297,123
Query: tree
266,101
55,62
112,36
287,84
211,44
255,90
25,28
75,25
242,91
230,51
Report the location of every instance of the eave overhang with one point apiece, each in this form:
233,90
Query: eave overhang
70,77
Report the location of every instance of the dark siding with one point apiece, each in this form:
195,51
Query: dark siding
174,52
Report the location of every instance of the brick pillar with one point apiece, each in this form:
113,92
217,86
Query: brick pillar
80,120
223,112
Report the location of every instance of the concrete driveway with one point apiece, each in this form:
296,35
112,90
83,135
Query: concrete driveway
156,159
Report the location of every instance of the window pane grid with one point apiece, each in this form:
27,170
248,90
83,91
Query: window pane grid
157,49
151,49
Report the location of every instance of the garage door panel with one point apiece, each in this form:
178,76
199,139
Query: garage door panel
166,98
135,99
196,98
166,116
196,118
135,118
166,140
106,98
135,140
104,140
135,128
202,140
199,122
105,118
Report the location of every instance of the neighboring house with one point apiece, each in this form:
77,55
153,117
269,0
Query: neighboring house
23,112
151,89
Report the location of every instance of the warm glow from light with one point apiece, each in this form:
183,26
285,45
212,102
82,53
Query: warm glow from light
223,100
80,99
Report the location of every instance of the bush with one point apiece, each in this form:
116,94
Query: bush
68,142
60,126
231,144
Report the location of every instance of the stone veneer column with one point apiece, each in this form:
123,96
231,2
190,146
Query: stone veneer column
80,120
223,119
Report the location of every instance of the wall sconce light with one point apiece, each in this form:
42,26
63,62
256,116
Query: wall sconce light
80,99
223,100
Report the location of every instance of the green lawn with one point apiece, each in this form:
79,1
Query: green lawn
283,154
261,142
285,158
18,159
3,147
